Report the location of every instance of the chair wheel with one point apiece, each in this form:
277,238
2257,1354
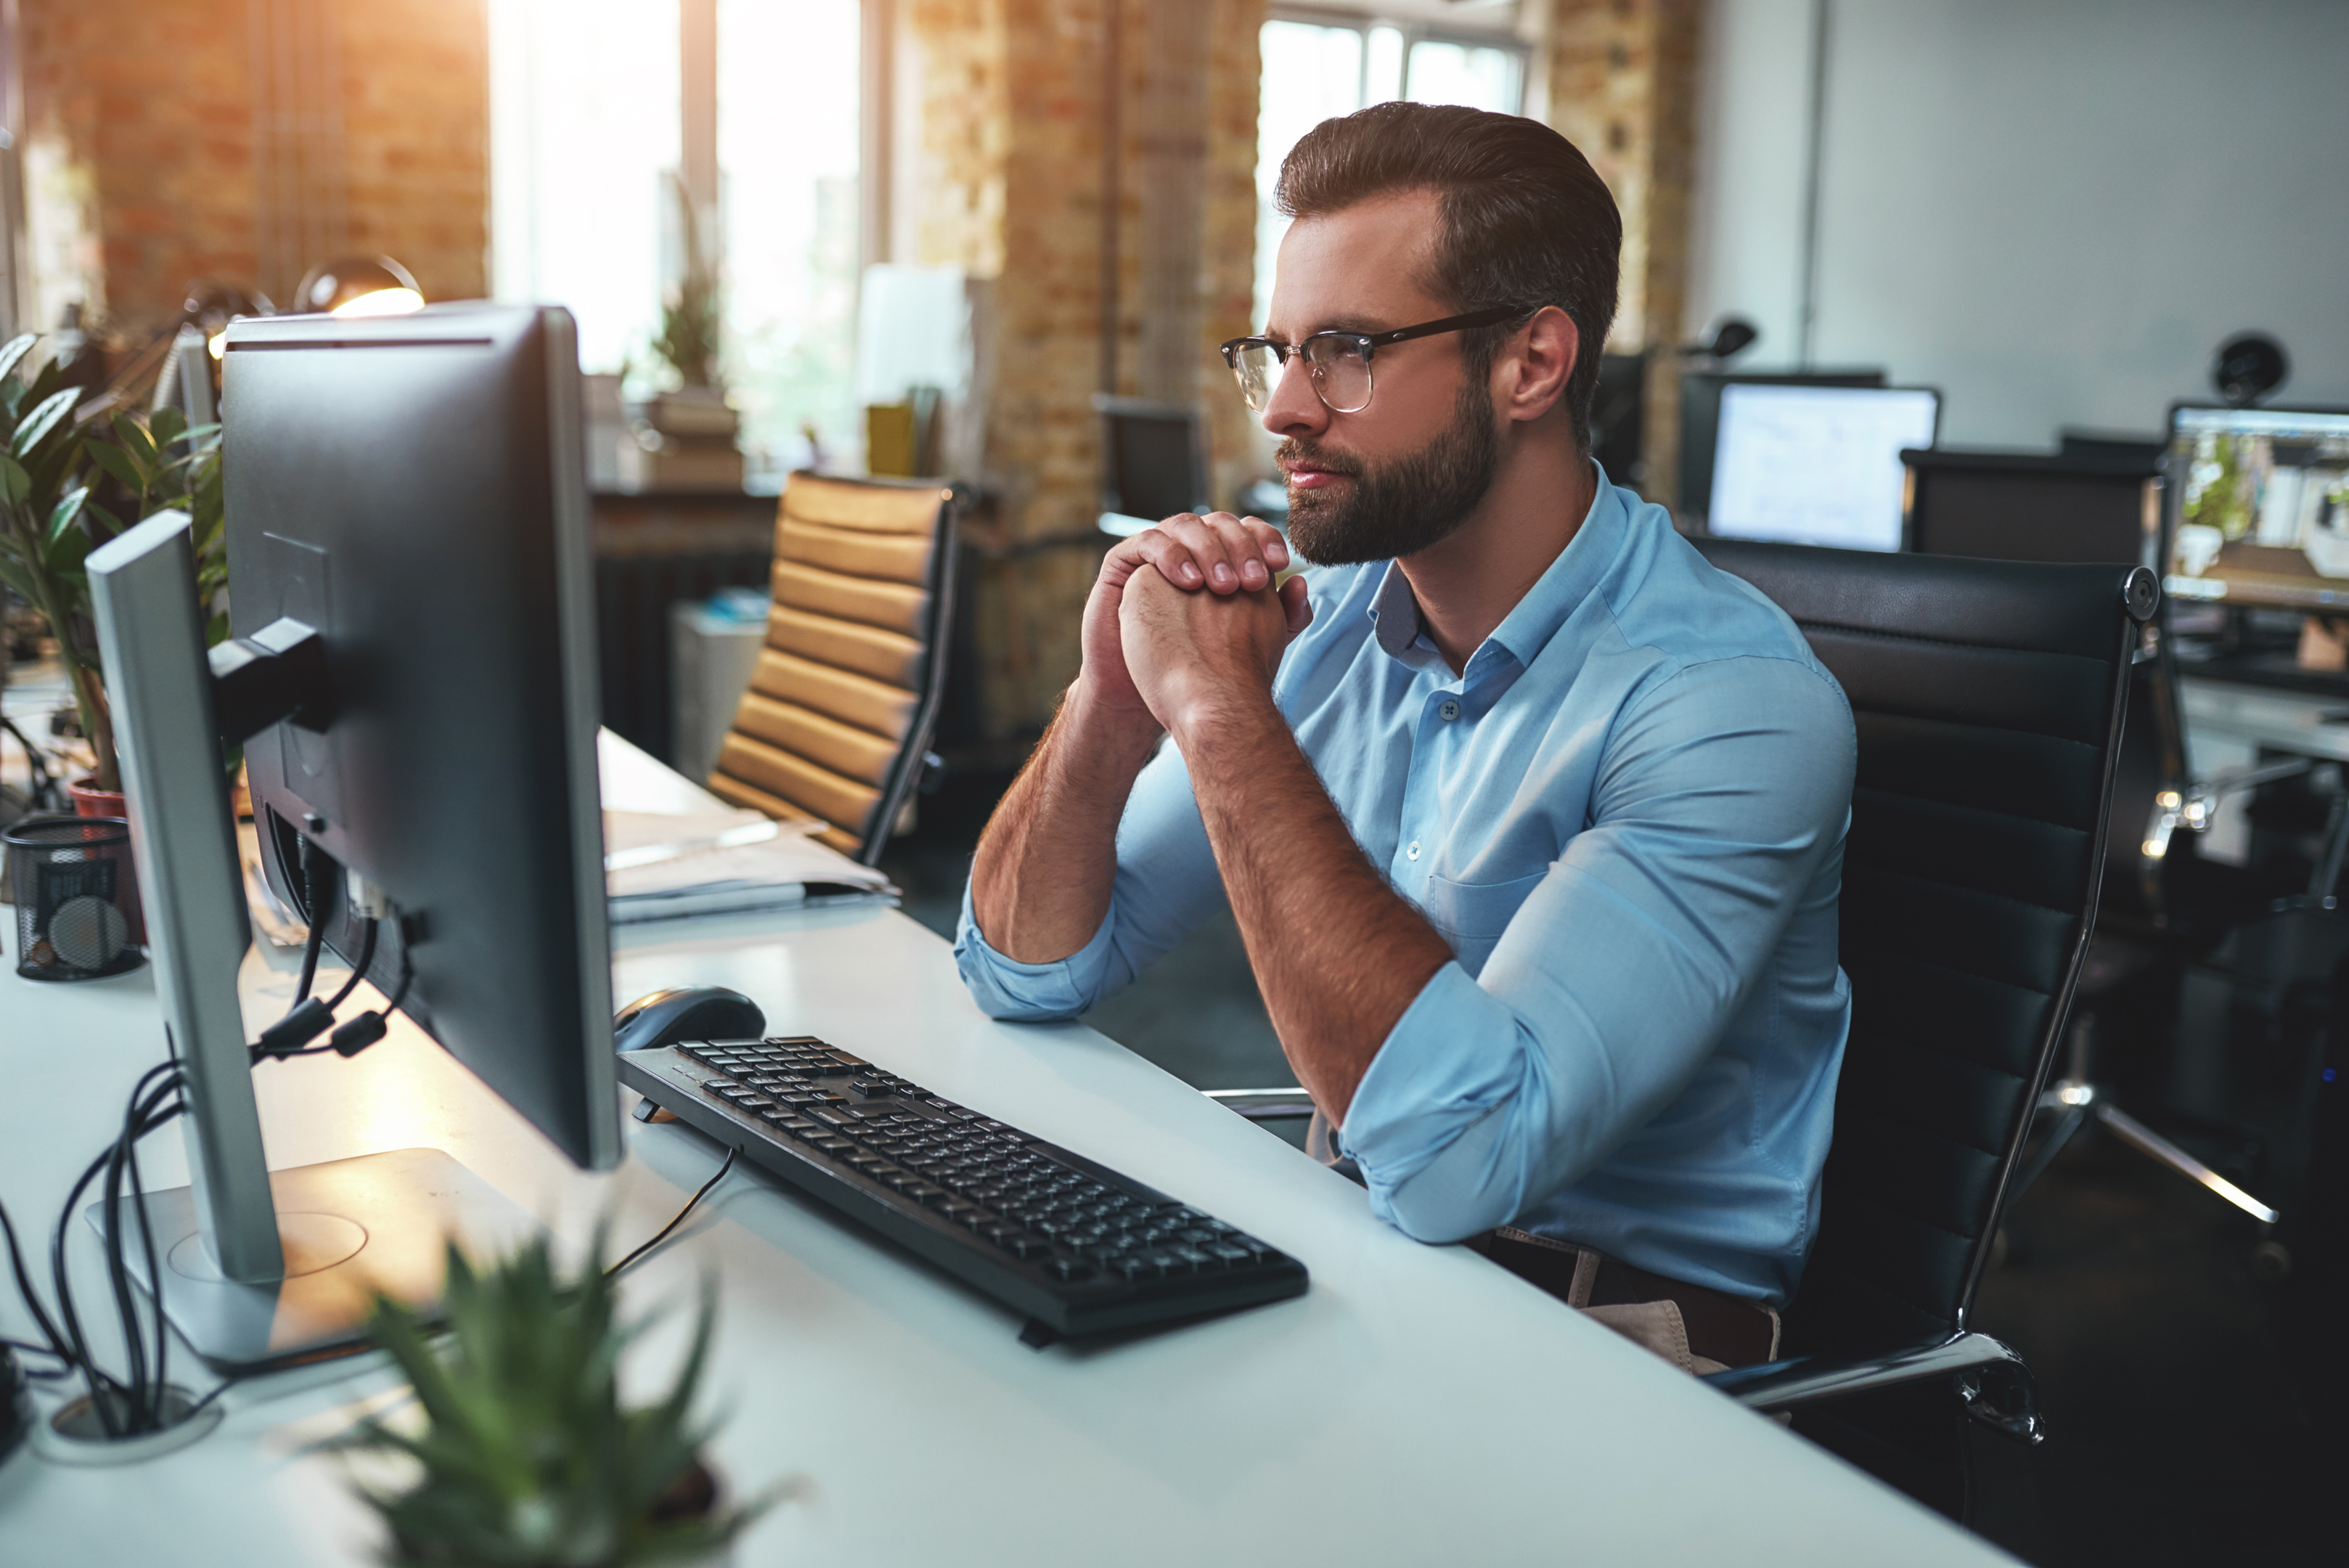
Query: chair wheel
2271,1262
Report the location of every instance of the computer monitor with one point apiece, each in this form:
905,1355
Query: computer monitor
1816,465
2259,507
1153,466
1701,419
2031,506
406,513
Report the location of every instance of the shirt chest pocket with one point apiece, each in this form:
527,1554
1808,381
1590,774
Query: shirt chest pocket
1472,915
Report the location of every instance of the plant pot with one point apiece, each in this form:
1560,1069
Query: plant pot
92,801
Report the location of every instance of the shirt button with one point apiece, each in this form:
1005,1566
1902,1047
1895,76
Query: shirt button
1412,853
1451,710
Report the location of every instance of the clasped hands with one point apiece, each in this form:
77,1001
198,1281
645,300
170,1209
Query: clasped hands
1185,623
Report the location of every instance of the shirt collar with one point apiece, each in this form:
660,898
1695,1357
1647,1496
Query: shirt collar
1526,629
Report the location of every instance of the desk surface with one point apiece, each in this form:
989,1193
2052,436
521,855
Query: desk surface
1416,1406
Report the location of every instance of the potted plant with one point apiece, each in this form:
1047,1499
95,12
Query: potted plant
527,1458
52,462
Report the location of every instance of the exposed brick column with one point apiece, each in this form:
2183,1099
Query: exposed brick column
150,139
1010,177
1617,78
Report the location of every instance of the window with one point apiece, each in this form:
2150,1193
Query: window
584,121
586,128
787,155
1318,65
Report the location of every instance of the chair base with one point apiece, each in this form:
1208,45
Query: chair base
2072,1102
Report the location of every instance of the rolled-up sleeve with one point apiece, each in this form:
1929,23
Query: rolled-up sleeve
1166,885
1722,799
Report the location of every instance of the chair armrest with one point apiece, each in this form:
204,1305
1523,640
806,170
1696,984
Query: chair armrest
1265,1105
1993,1384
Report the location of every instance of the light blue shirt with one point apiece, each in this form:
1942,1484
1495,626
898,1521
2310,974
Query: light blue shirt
1627,818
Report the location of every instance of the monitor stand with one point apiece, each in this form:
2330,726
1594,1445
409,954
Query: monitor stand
258,1267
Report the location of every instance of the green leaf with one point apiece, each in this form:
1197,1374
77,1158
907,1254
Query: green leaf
14,573
46,416
67,509
166,425
16,485
64,553
136,440
13,355
119,463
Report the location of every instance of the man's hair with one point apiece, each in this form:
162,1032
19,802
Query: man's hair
1527,220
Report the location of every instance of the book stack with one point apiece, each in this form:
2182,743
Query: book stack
684,441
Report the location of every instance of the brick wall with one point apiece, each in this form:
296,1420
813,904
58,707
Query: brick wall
166,142
1014,112
1617,78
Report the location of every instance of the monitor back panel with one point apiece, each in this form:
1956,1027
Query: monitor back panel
414,489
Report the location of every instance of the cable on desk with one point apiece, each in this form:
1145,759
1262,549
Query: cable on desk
316,939
723,1166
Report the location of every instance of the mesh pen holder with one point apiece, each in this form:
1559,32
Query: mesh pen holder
76,898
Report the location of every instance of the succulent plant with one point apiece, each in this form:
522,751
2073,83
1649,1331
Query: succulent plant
527,1458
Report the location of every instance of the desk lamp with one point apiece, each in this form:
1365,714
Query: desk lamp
358,286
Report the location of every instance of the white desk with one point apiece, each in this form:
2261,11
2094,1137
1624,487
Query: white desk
1416,1406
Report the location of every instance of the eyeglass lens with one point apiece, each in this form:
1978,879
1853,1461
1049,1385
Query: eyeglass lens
1340,367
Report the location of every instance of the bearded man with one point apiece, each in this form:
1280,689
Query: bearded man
1532,821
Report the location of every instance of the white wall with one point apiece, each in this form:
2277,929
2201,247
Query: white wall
2053,210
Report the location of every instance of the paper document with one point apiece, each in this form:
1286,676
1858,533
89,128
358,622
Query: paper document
703,866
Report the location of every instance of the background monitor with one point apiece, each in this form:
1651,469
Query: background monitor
2259,507
1153,467
1701,418
1816,465
414,487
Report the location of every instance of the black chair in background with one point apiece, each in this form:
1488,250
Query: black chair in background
1989,698
2032,506
2166,910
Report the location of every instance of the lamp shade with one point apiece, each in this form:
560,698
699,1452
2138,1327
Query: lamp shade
358,286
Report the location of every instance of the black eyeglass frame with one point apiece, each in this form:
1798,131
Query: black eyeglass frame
1369,344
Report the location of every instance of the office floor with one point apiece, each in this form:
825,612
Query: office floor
2198,1415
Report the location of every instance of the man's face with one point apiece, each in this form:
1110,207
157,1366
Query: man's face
1404,472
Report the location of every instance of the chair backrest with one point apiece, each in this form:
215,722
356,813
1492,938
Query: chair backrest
848,685
2029,506
1988,696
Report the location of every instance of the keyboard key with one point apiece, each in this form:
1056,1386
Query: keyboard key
832,1143
922,1192
1069,1270
1031,1247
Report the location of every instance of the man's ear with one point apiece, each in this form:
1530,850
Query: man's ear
1544,355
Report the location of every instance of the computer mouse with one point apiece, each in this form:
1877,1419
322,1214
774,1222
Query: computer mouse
687,1013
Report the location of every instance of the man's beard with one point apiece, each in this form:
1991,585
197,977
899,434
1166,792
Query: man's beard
1402,506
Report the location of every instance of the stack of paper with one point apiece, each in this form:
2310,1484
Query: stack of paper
719,861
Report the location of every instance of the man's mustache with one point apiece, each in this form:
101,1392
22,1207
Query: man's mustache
1293,451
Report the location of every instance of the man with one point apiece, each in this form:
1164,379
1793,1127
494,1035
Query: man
1531,820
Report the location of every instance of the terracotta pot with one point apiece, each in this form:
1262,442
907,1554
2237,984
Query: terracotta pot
90,801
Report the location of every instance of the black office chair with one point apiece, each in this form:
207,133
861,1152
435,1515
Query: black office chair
1989,699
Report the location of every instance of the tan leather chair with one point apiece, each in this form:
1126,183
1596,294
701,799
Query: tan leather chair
839,711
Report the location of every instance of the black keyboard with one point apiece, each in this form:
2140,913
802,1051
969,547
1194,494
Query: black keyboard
1074,1245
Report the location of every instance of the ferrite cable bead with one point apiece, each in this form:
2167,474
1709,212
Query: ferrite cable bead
296,1029
359,1033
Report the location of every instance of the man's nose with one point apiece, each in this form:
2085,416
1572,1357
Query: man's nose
1295,408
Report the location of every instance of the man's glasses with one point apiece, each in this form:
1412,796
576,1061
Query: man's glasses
1338,362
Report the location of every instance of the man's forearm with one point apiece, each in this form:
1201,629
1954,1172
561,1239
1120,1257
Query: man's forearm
1339,956
1042,879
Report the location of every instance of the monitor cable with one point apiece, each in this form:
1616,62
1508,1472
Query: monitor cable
690,1204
